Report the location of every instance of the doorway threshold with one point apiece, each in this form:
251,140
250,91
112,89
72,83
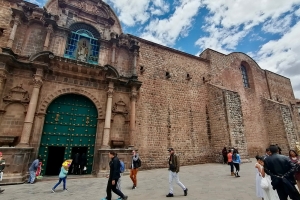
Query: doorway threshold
51,178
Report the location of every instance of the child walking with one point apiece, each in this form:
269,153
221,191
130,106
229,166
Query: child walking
63,176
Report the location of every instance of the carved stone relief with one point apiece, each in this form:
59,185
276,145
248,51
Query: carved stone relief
120,108
17,94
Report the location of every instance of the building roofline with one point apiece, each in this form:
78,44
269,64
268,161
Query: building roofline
170,49
278,74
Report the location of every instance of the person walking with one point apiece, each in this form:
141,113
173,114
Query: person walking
174,166
83,163
135,164
296,160
224,153
114,176
258,169
281,170
32,170
229,161
236,162
2,166
268,192
122,169
62,177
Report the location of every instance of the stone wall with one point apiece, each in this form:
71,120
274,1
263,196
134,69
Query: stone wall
171,111
280,88
218,120
236,122
290,131
5,18
275,125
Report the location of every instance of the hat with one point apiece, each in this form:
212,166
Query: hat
170,149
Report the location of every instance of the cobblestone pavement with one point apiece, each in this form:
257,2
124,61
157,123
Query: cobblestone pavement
205,182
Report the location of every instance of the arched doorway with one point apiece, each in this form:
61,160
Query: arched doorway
69,128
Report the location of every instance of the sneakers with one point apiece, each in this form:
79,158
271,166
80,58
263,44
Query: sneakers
1,191
185,191
119,198
125,197
169,195
133,187
66,190
52,190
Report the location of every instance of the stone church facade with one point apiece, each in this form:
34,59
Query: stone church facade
72,82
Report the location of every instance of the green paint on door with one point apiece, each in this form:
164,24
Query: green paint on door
71,121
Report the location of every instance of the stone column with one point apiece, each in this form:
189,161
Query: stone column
135,53
47,40
3,75
27,127
106,134
13,31
113,54
132,116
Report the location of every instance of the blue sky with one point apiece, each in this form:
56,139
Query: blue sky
267,30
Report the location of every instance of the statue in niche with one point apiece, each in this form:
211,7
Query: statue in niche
82,52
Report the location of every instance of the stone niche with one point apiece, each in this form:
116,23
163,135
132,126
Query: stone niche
123,154
16,164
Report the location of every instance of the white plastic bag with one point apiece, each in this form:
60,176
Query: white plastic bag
264,184
84,169
1,176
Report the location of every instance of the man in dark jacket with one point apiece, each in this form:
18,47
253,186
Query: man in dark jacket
2,166
114,176
281,170
174,165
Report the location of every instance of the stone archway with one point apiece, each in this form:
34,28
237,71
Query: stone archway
70,129
47,100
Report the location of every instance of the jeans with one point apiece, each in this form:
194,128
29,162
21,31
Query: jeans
31,176
110,187
231,166
133,174
59,181
174,176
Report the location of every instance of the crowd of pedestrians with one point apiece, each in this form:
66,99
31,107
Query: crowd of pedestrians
277,175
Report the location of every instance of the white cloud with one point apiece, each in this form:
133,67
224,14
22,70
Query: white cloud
297,12
282,56
131,12
278,25
231,20
166,31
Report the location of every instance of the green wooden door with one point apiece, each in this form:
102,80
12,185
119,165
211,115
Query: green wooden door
71,121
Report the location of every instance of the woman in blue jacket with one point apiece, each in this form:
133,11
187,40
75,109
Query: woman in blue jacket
236,159
62,177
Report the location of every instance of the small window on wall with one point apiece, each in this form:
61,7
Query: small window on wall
83,44
245,76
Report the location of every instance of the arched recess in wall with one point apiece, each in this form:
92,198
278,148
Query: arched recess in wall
246,75
34,39
13,120
120,125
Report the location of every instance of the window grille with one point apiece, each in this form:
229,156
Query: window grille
82,44
245,76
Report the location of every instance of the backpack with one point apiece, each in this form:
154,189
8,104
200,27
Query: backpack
122,167
139,162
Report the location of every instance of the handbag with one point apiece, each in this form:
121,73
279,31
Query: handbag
264,184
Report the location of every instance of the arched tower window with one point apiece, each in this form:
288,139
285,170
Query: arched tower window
245,76
83,43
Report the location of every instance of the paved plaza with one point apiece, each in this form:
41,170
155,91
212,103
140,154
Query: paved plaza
207,181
